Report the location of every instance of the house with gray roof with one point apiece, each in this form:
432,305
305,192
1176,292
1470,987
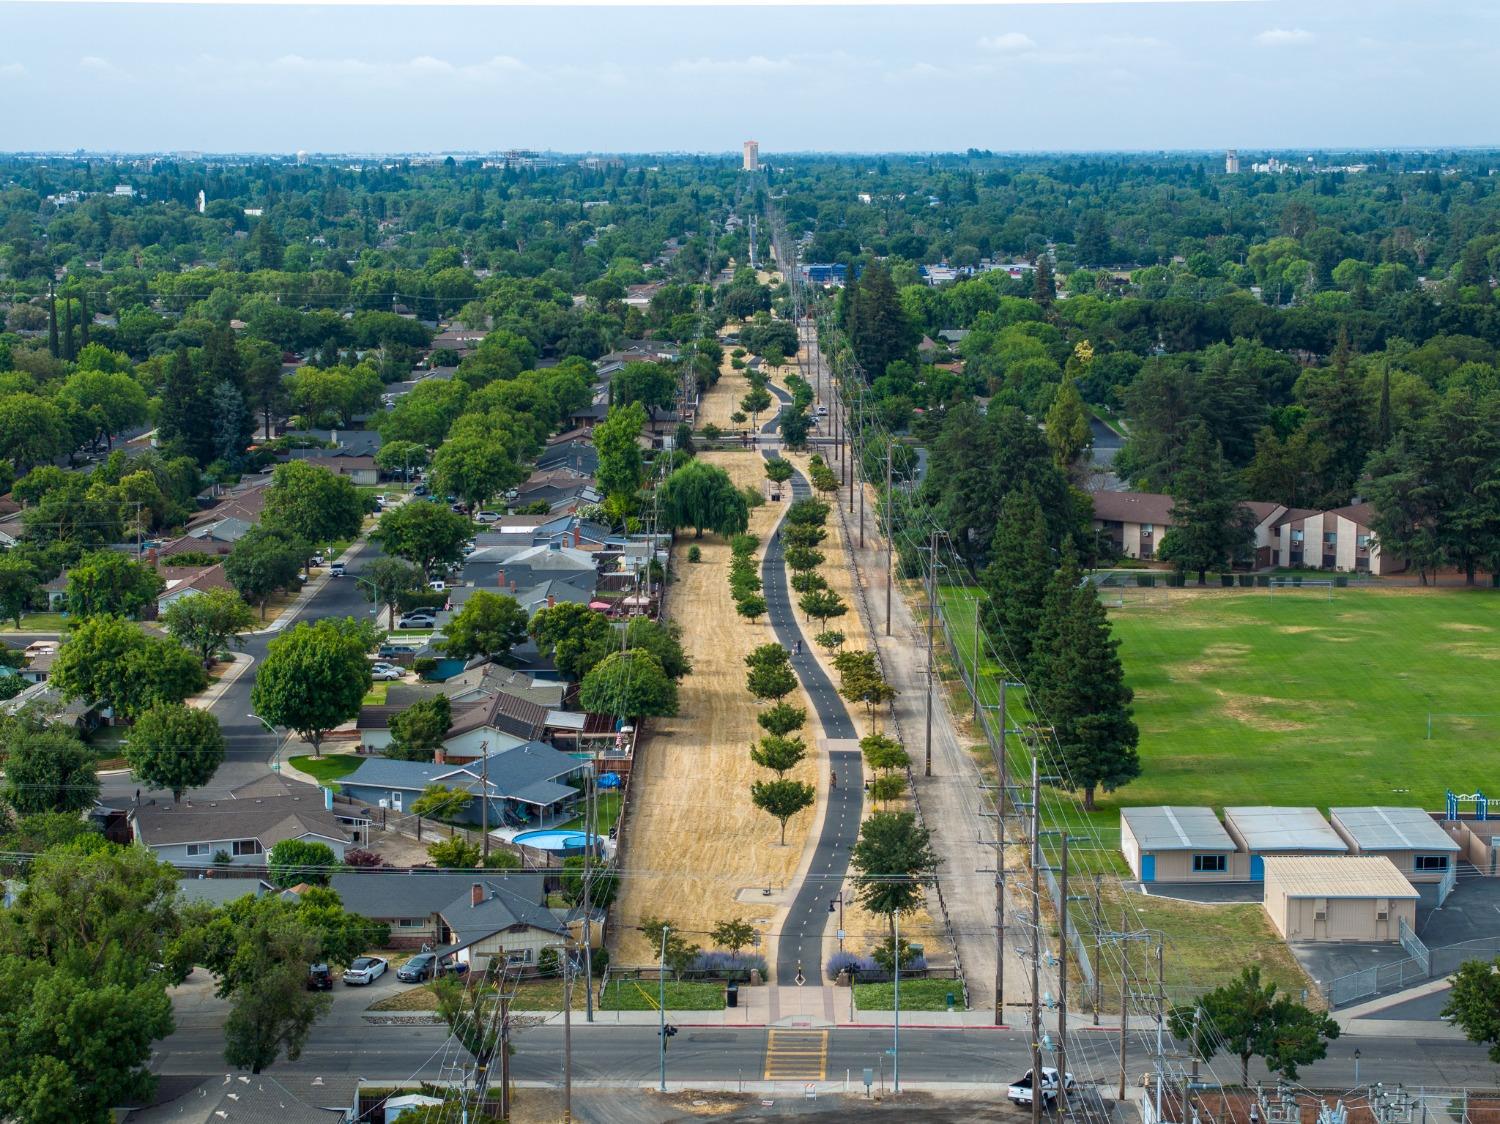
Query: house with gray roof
492,919
195,833
523,785
531,566
410,901
220,891
1179,844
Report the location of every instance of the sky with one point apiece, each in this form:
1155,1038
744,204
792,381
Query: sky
1258,74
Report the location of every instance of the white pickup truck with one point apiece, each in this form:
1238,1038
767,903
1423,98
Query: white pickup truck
1021,1091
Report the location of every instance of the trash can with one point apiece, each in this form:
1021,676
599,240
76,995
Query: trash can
732,995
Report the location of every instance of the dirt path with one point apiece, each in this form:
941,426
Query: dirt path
698,851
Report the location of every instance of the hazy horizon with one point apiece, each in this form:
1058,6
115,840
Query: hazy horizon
1277,75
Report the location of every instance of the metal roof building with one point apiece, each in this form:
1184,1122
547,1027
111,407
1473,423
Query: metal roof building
1175,844
1338,898
1260,830
1409,837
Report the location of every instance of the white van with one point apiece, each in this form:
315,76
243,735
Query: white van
336,569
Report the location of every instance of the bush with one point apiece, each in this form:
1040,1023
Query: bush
1247,580
753,496
358,857
846,962
743,546
1263,580
421,599
711,432
727,965
423,664
694,554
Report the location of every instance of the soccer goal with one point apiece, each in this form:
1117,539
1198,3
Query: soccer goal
1320,588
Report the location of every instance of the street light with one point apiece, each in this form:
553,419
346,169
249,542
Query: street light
275,757
1356,1067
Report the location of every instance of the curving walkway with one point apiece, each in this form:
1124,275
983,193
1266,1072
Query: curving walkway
807,916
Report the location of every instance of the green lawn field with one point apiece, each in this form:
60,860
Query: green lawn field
1248,697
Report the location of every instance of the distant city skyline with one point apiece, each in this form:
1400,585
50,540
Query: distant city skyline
1257,77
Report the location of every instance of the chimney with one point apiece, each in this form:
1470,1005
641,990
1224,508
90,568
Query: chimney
477,894
577,535
500,577
551,600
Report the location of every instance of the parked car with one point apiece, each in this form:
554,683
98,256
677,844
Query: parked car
1021,1090
380,500
486,517
419,490
319,978
470,547
437,585
336,569
365,970
385,673
426,966
418,619
392,651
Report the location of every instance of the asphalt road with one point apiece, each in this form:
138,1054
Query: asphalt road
628,1055
249,746
801,943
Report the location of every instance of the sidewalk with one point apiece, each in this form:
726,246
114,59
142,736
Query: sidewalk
288,616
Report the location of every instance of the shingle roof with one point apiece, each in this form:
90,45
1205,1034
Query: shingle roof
510,771
1134,507
502,909
420,893
1177,829
1392,829
1352,876
268,819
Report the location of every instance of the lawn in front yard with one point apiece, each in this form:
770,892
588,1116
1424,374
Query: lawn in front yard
375,696
681,995
916,995
36,622
327,768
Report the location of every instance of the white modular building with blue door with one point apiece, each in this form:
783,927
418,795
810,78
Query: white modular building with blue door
1179,844
1262,831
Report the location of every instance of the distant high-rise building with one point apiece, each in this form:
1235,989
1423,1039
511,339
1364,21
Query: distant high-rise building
752,156
202,202
1231,163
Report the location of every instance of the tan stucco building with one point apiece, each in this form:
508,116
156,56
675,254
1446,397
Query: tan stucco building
1179,844
1409,837
1329,899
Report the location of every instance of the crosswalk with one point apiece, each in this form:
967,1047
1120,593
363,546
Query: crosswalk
796,1055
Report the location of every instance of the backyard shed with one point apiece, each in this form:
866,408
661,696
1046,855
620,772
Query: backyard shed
1338,898
1178,844
1263,831
1409,837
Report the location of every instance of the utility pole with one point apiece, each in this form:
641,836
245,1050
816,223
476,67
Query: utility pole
484,798
504,1054
1124,1004
1062,984
974,675
567,1036
931,615
890,536
1036,944
661,1008
1000,908
590,819
1098,954
1161,1019
896,1002
861,464
849,451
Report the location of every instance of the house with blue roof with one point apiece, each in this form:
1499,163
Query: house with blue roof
524,785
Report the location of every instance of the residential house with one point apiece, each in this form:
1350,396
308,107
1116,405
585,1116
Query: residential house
410,901
1133,521
524,784
360,469
185,581
577,456
491,723
220,891
531,566
559,488
492,919
356,442
196,833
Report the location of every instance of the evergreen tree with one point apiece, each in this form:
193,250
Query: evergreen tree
1080,690
882,332
1209,523
52,323
1068,431
1043,284
184,418
1015,581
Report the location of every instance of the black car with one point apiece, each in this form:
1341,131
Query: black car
319,978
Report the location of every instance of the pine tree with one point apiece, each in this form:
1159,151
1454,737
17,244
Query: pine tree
882,332
1068,431
1081,691
1043,284
1383,420
70,352
1015,582
185,419
85,318
1052,621
1209,523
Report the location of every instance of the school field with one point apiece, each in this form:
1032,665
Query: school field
1250,698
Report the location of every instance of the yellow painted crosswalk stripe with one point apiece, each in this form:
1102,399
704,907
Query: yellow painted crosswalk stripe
796,1055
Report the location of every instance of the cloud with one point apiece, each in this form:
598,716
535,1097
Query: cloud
1285,37
12,70
1011,41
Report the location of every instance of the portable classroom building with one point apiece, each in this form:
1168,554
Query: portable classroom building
1409,837
1178,844
1322,899
1264,831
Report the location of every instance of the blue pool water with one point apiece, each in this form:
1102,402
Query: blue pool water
554,840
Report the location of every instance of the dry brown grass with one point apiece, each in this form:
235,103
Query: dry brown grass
694,838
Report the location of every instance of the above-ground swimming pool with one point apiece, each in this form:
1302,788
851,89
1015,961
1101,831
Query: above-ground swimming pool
558,840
